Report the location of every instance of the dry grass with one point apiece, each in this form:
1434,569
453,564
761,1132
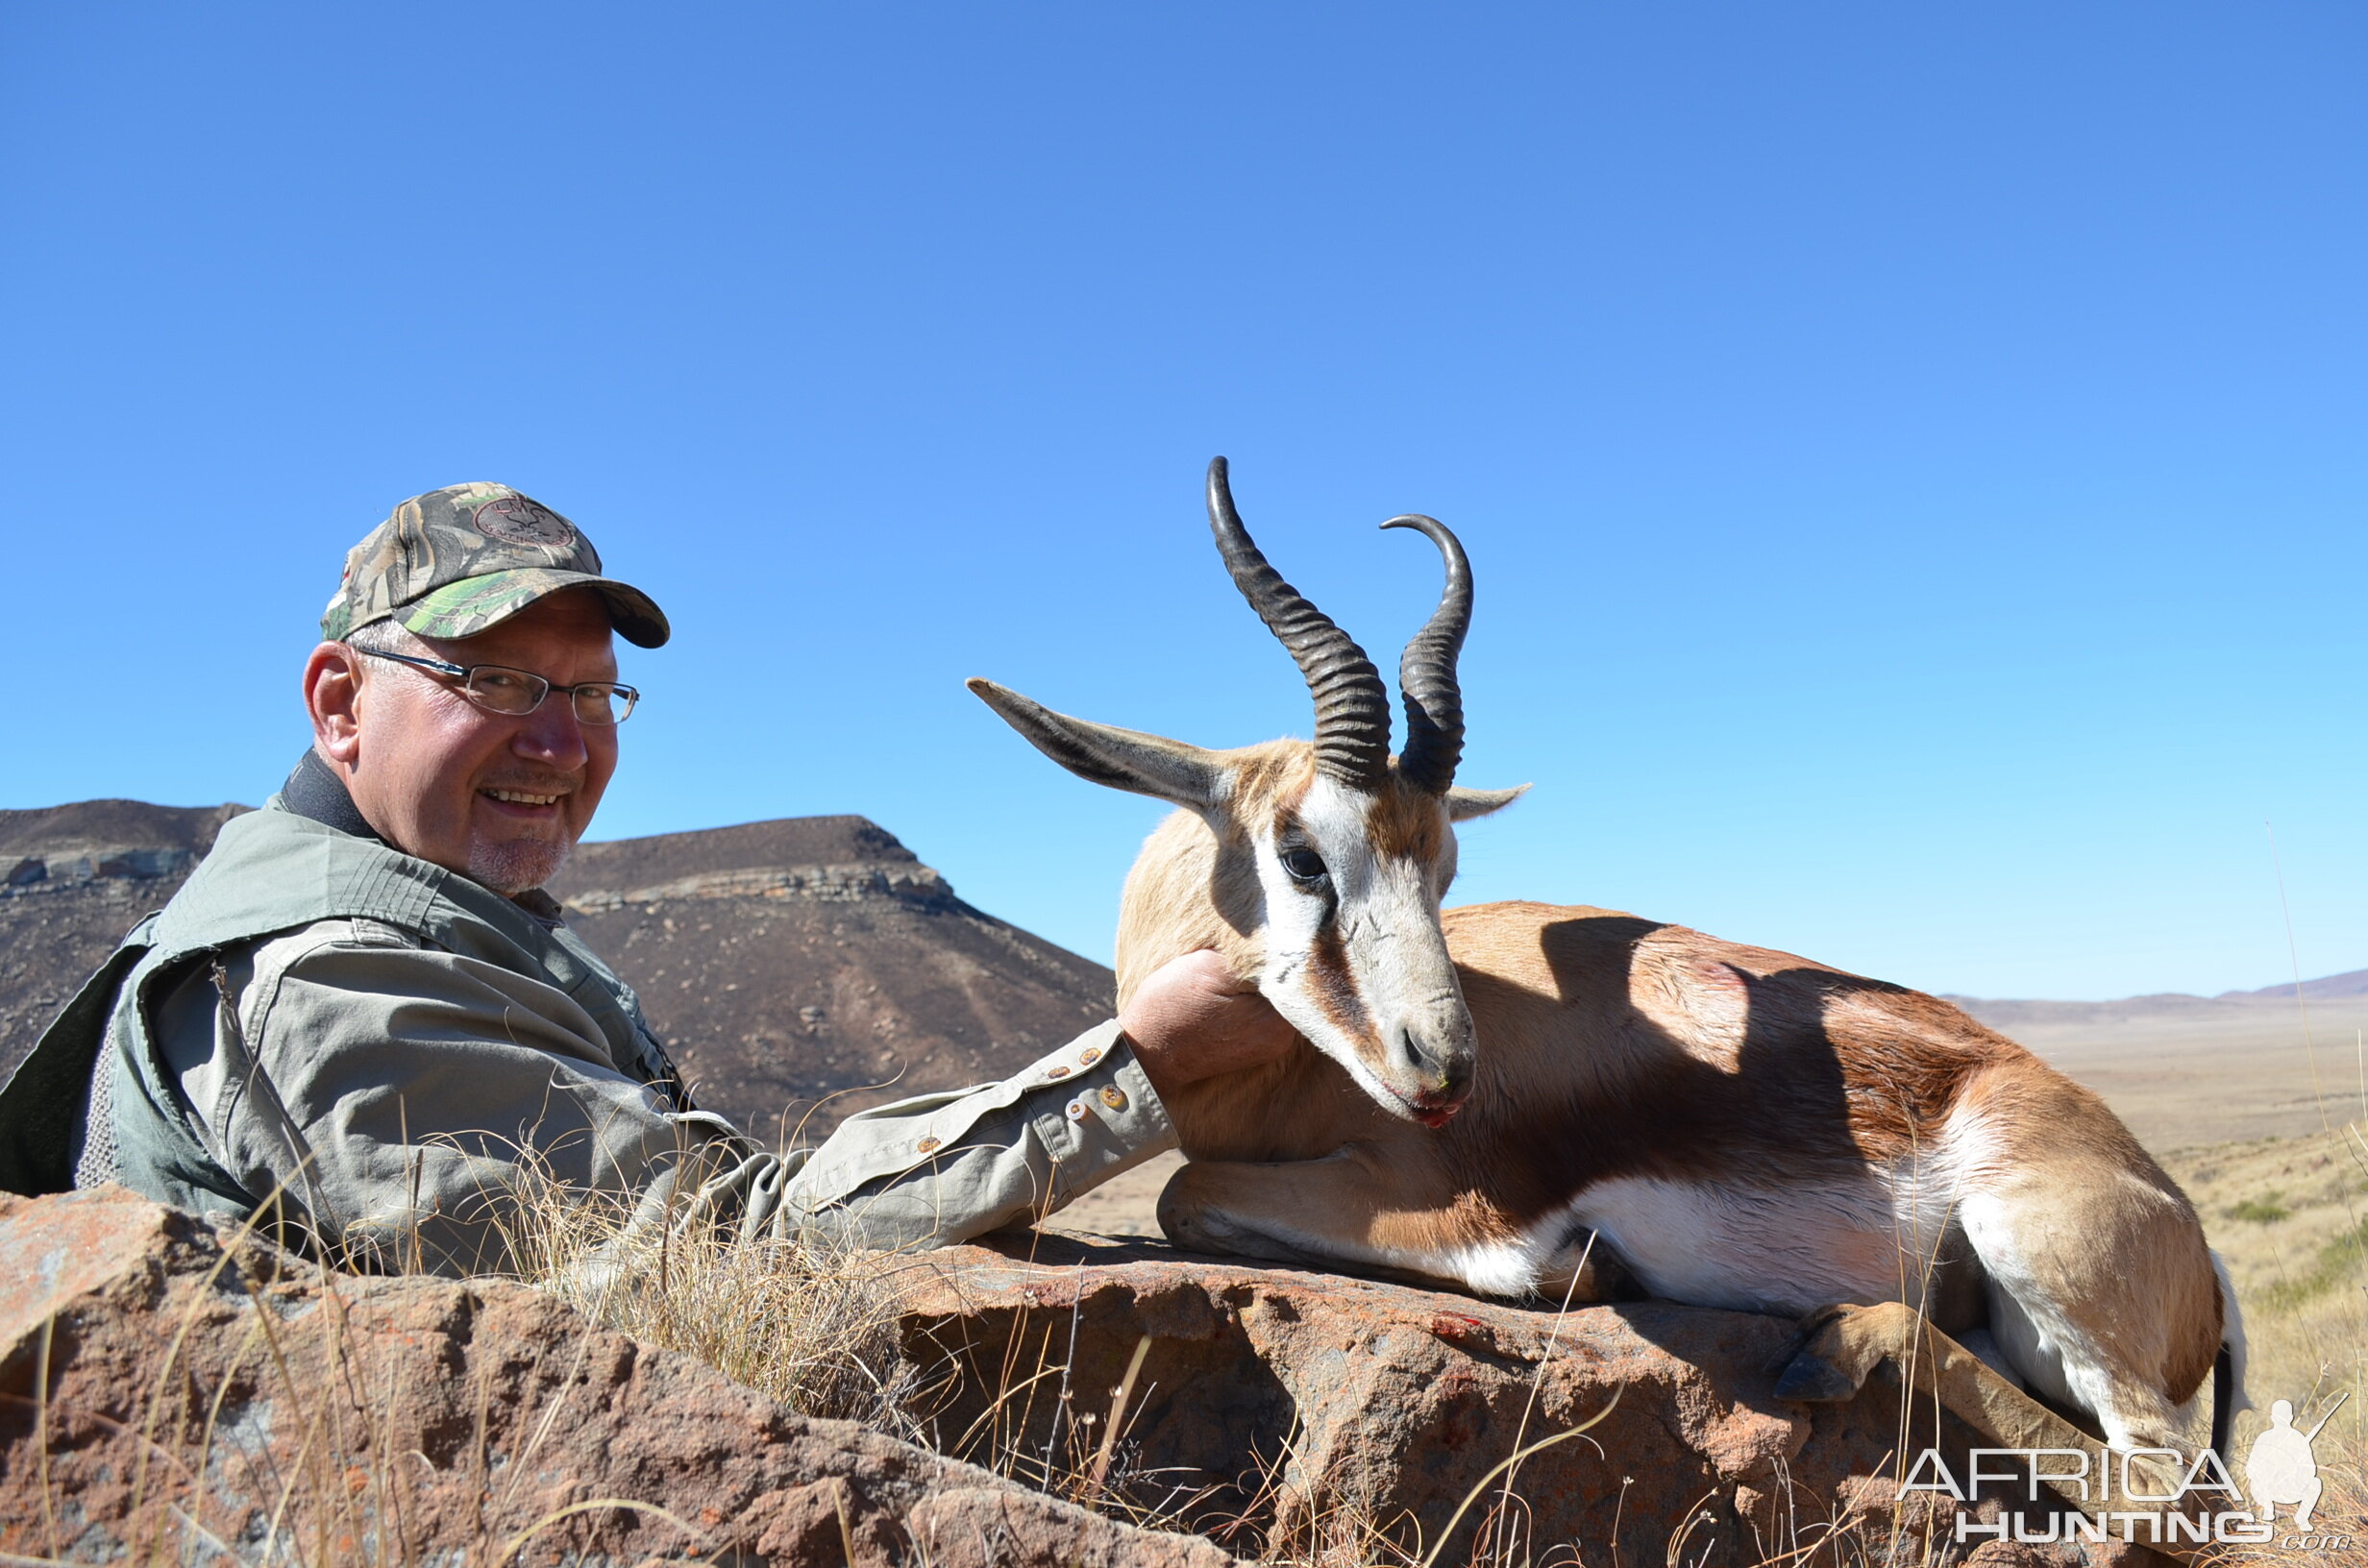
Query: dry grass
808,1324
339,1488
2290,1218
817,1329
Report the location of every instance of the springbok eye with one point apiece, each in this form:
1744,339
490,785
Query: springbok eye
1303,865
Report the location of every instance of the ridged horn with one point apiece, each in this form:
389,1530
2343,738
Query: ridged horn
1426,671
1352,709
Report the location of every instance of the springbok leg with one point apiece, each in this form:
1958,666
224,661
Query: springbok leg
1846,1344
1353,1207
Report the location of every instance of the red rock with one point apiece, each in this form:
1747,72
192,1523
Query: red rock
1299,1404
161,1390
157,1392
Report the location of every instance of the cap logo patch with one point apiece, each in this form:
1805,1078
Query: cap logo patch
519,519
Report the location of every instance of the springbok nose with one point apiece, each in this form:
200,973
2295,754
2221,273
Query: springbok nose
1442,1067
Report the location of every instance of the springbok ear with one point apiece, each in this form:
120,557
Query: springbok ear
1125,759
1463,804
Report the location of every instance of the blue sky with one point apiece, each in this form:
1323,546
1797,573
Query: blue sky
1914,458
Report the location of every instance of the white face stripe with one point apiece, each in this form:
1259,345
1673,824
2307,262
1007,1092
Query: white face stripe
1384,914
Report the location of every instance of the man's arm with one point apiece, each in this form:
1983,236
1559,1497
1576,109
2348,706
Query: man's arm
428,1093
944,1167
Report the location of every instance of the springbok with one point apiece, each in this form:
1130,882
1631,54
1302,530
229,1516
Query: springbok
1480,1097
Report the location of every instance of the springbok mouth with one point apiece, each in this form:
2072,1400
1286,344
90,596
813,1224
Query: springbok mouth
1432,1114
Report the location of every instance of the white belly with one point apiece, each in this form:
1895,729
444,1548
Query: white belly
1787,1250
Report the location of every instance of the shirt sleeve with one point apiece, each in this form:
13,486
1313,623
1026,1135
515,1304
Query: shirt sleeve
405,1101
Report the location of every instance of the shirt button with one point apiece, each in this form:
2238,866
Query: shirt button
1092,1054
1114,1097
1076,1110
1056,1072
927,1145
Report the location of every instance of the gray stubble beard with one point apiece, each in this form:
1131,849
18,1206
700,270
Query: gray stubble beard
512,867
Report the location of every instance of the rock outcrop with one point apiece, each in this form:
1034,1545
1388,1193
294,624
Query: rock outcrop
1281,1410
168,1396
169,1389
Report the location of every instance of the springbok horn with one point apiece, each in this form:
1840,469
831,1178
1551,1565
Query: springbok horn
1352,710
1426,671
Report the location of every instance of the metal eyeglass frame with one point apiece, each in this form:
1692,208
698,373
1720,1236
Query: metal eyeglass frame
467,674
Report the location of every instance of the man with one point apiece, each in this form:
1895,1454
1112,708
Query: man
362,1008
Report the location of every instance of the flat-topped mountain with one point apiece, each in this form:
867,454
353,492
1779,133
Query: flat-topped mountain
804,967
73,879
784,840
813,966
36,845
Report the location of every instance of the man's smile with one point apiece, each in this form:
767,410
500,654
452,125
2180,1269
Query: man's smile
520,797
529,805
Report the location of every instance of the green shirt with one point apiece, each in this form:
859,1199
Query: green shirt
402,1052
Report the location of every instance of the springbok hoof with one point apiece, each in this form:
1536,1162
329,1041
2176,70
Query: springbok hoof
1812,1379
1824,1363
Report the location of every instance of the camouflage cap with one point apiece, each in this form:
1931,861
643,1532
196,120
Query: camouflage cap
456,560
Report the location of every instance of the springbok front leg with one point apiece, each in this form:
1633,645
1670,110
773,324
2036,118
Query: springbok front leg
1361,1207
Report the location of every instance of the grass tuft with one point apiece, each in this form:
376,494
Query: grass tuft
808,1324
2266,1210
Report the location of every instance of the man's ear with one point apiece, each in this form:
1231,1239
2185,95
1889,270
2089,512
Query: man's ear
332,697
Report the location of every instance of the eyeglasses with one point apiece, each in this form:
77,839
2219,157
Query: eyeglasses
497,688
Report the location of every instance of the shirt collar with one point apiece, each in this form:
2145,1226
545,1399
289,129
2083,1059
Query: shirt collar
315,792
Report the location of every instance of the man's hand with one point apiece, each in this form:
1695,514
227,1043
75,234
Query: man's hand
1193,1019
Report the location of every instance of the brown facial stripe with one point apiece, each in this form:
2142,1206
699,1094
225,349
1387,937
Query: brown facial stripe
1335,991
1404,824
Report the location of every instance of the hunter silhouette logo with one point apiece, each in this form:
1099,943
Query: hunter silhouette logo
2280,1468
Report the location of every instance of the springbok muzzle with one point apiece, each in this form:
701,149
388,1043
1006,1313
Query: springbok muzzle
1431,1061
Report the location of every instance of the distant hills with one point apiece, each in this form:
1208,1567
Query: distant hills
814,965
2006,1015
2350,983
806,965
73,879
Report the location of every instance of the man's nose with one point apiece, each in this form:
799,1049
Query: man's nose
552,734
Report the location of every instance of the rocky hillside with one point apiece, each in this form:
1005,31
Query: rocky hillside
802,969
811,967
73,879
